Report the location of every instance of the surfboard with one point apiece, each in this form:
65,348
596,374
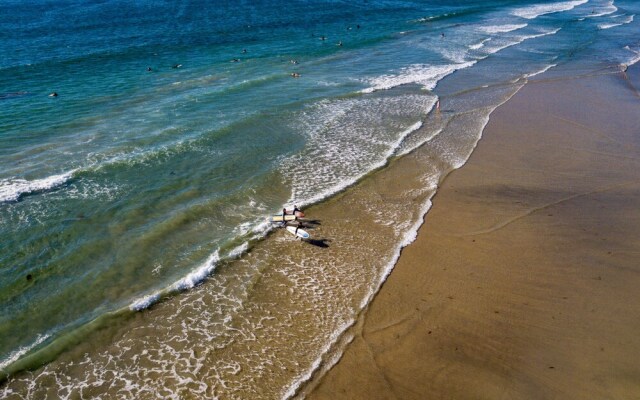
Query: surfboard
301,233
278,218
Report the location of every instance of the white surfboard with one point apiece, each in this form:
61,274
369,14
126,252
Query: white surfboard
298,232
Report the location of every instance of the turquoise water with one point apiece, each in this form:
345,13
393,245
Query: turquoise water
133,184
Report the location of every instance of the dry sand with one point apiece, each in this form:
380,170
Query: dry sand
524,281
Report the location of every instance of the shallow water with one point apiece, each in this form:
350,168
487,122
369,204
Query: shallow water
137,200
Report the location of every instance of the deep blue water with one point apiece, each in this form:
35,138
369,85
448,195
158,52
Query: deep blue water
178,127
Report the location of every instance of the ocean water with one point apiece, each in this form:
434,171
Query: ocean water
137,259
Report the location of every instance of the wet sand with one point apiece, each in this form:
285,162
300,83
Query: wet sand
524,279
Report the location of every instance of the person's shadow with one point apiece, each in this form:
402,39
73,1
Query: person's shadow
319,242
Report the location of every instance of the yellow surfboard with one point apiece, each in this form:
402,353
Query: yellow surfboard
278,218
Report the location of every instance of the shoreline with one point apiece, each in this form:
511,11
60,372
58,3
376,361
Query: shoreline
373,365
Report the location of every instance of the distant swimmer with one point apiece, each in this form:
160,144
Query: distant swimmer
235,60
323,37
53,94
340,43
293,61
357,26
295,75
442,35
176,66
149,69
244,51
12,94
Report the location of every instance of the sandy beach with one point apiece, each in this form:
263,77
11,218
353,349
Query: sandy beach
523,281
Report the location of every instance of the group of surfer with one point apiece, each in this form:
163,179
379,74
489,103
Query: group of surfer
244,51
296,213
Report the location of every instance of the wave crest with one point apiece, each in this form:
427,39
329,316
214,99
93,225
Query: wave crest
12,189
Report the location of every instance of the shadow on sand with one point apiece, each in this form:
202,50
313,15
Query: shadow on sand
319,242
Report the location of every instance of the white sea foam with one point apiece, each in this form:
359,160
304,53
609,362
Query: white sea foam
317,363
479,45
517,40
16,355
426,75
634,58
348,139
345,183
237,251
601,11
13,189
191,280
501,28
199,274
618,22
543,70
543,9
145,301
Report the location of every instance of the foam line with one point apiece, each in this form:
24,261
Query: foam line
348,182
605,10
22,351
543,70
13,189
520,40
634,59
501,28
426,75
609,25
192,279
543,9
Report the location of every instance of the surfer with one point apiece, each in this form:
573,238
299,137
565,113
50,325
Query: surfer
284,219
